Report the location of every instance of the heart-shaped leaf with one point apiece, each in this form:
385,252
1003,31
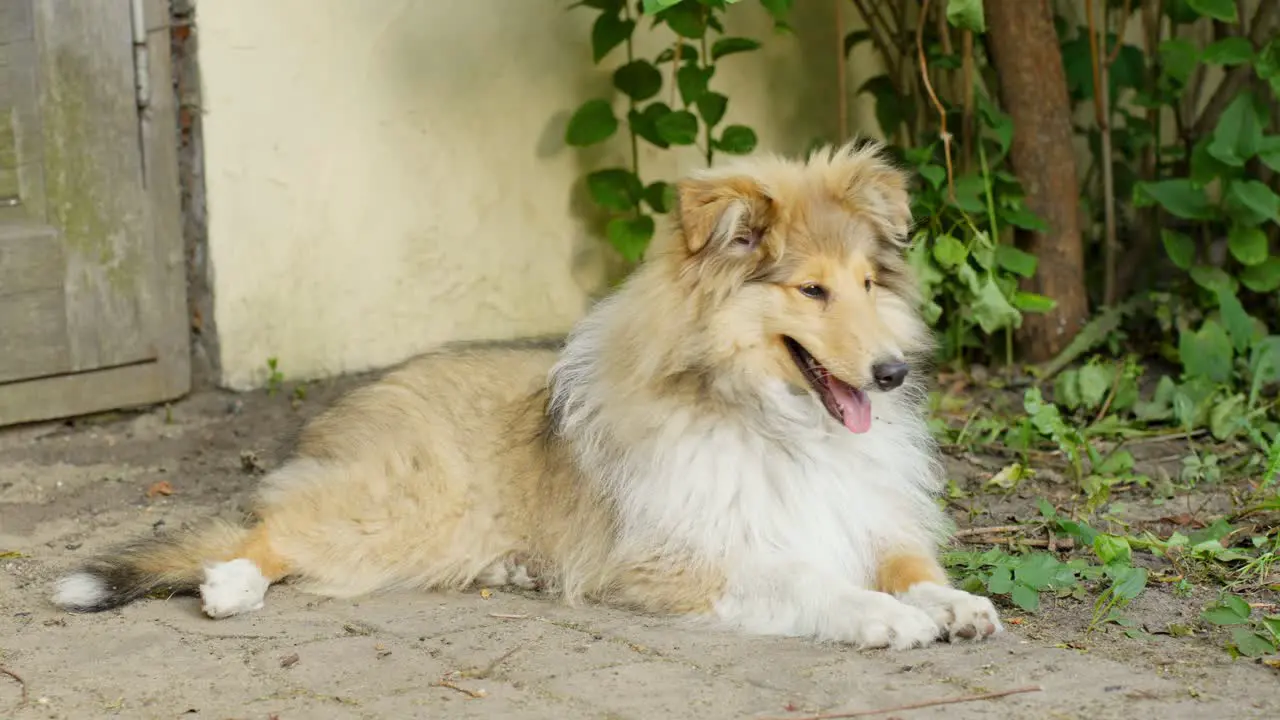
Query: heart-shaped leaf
711,106
615,189
1207,352
1264,277
1180,248
592,123
608,32
639,80
678,128
630,235
1178,196
736,140
1247,244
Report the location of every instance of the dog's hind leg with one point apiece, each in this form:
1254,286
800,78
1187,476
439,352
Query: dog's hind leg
239,585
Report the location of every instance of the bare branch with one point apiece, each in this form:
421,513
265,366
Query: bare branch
928,86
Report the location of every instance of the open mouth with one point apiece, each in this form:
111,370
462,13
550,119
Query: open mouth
847,404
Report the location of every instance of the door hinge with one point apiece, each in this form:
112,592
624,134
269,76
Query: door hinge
142,78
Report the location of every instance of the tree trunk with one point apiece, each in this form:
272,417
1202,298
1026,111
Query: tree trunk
1033,88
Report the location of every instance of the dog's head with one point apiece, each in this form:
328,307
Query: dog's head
799,269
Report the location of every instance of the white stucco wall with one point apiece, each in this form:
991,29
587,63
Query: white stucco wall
386,176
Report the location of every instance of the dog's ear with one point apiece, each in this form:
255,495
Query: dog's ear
870,184
722,214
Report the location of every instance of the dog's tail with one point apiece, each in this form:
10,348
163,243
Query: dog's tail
174,564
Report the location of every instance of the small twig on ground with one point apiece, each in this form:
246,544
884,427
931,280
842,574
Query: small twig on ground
984,536
1180,436
458,688
508,616
915,706
488,669
970,532
1058,543
21,683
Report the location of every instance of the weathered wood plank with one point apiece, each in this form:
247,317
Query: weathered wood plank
30,259
21,139
172,321
10,188
93,178
81,394
15,21
33,335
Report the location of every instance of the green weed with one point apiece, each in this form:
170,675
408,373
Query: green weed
1252,635
275,378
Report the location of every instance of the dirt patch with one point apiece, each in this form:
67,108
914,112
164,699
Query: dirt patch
70,489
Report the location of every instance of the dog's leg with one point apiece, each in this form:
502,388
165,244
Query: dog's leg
918,580
793,600
663,586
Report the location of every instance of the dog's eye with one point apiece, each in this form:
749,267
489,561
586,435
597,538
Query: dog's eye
867,283
813,290
750,240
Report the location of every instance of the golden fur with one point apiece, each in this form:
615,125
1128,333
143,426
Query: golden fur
528,466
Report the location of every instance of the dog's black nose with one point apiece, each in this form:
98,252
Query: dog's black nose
889,375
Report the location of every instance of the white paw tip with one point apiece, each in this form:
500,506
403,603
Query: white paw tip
962,615
79,590
233,587
896,625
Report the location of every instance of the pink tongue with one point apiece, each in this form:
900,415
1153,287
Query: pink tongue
855,406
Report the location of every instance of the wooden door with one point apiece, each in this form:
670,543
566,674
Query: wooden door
92,285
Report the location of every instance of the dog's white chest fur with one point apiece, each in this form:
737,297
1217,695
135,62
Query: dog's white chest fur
791,506
734,493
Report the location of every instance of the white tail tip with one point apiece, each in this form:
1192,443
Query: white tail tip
79,590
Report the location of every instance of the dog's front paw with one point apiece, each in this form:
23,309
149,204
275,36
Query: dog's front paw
878,620
961,615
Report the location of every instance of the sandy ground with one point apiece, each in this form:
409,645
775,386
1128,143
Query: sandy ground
70,489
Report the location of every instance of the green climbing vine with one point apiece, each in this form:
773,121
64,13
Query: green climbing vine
692,114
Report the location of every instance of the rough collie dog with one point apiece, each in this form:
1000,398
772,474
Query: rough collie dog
737,434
